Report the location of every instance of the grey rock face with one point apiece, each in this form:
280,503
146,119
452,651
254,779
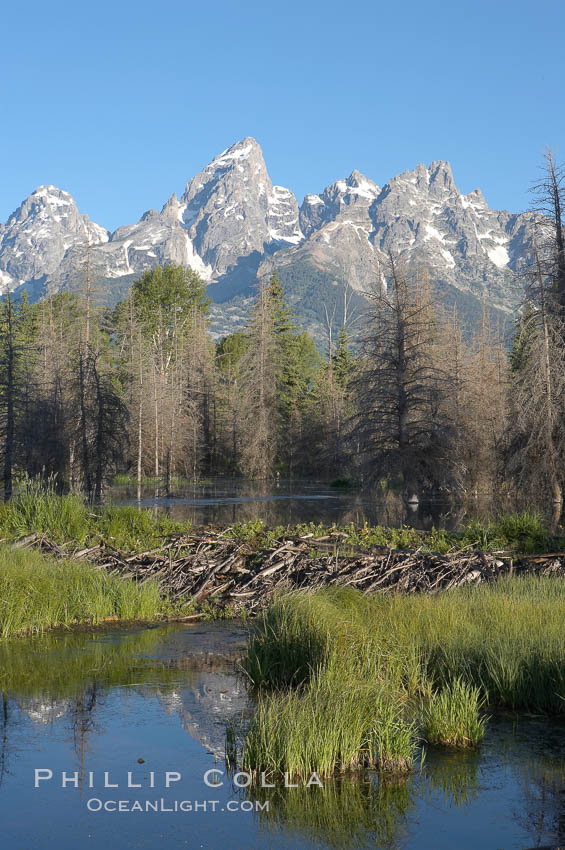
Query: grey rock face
461,240
38,235
340,230
157,238
355,193
232,225
229,212
231,209
420,215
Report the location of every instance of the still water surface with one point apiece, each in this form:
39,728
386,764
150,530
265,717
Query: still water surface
98,702
227,501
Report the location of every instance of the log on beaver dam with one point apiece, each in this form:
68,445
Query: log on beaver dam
211,566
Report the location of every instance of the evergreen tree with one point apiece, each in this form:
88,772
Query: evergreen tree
259,412
230,352
296,363
343,364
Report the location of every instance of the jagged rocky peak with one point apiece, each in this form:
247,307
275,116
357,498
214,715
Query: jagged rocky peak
150,215
317,210
441,178
358,184
38,235
53,205
239,163
171,210
246,149
434,181
231,209
475,200
43,198
350,189
231,222
422,212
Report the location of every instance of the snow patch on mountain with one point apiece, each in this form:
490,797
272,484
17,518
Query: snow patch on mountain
433,233
232,224
499,256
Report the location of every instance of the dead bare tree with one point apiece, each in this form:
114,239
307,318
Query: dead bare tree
401,423
536,457
537,398
549,203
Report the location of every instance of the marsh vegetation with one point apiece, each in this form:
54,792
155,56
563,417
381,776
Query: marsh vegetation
39,593
116,561
346,680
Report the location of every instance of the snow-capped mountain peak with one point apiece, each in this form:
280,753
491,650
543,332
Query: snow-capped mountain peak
231,224
40,233
235,154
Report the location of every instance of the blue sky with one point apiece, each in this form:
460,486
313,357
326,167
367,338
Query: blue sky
121,102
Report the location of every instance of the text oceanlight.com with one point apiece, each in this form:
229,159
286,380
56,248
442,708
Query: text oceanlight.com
95,804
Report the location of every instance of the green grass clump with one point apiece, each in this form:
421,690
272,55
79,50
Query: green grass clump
306,630
68,520
505,637
333,725
62,518
392,739
126,527
524,531
451,716
38,593
347,680
330,698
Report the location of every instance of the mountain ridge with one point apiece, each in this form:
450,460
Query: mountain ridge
233,226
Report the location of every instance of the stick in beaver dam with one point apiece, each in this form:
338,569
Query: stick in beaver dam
235,575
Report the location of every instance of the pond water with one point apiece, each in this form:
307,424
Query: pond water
227,501
152,701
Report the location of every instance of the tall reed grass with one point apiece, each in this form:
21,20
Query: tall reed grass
330,698
346,680
504,637
68,519
331,726
38,592
450,716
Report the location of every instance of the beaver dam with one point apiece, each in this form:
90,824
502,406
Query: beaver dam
210,567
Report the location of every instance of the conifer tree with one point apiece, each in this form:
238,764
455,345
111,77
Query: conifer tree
230,353
400,389
259,410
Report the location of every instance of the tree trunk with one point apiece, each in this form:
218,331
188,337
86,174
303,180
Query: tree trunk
9,438
99,475
84,428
